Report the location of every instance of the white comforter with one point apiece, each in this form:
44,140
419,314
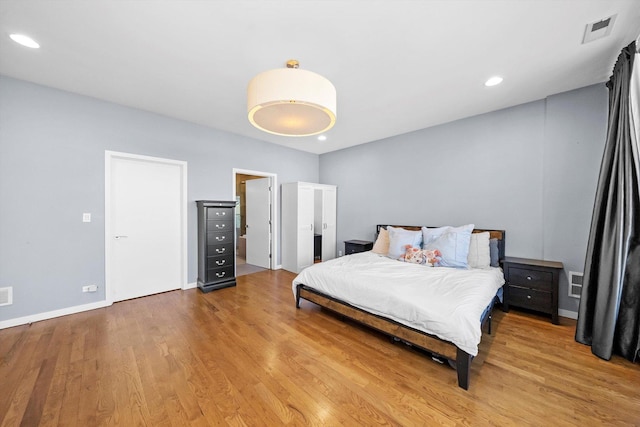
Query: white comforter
445,302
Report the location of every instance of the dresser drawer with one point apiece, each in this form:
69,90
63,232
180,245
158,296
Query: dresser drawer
220,238
219,261
220,249
530,278
220,274
219,225
219,213
531,299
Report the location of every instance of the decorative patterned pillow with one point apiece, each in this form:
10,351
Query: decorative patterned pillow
429,258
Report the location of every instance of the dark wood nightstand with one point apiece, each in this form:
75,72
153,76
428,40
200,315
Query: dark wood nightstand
354,246
532,284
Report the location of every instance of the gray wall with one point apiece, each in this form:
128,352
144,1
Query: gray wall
530,170
52,146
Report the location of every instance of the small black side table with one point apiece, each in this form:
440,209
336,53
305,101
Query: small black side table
354,246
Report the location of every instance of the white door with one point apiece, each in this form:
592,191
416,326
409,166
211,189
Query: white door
145,214
305,226
258,214
329,223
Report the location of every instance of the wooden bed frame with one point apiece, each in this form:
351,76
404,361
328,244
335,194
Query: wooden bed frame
456,357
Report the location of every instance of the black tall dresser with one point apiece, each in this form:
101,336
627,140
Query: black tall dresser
216,244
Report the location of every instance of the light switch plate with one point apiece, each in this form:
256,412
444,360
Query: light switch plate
86,217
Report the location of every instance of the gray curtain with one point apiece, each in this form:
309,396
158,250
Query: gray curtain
609,314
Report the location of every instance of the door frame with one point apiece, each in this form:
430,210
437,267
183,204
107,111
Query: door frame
109,157
274,208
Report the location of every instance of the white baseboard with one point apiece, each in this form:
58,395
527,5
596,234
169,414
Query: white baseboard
63,312
190,286
567,313
278,267
51,314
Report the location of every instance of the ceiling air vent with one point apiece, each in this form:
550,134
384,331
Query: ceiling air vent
599,29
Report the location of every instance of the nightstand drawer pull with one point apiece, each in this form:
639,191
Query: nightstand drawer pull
220,274
221,262
528,296
528,277
219,238
220,250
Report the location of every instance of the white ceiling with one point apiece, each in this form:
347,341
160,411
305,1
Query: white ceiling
398,66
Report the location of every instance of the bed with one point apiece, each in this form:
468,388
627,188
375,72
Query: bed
440,310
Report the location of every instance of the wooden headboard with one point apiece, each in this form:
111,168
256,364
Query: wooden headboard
493,234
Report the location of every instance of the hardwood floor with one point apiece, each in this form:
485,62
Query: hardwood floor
246,356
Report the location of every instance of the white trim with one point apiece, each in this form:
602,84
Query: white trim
190,286
567,313
51,314
108,158
274,208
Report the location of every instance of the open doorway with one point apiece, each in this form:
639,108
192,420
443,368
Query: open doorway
254,193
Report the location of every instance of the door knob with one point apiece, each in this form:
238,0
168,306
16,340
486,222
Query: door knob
121,237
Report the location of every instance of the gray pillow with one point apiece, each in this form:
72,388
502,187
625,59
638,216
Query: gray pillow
494,252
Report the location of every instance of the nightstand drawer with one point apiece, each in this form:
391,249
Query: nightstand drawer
531,299
534,279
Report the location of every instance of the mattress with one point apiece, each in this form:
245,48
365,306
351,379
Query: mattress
441,301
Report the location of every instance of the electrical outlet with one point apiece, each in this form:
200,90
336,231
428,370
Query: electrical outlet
90,288
339,253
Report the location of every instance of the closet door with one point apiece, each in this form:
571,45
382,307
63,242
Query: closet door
305,227
329,214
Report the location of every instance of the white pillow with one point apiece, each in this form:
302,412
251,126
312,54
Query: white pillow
399,238
479,252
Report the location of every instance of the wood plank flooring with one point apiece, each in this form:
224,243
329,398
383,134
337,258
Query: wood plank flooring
245,356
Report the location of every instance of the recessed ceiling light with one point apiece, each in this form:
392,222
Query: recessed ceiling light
495,80
24,40
322,138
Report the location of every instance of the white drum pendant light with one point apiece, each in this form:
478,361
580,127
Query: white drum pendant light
291,102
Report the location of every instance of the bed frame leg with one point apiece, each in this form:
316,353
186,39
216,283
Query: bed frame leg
463,368
298,296
489,325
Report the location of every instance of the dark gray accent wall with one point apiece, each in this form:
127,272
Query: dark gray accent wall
52,150
530,169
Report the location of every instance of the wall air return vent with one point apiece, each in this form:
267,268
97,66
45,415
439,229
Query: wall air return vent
599,29
575,284
6,296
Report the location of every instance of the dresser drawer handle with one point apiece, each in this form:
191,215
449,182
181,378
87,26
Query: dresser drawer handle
221,262
220,238
220,274
528,296
220,250
220,225
528,277
221,213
